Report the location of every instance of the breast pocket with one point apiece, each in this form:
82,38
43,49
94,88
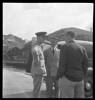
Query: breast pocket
41,56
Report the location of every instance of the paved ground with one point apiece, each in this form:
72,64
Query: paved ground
17,84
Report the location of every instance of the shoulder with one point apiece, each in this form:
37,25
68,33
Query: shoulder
35,49
47,50
64,47
80,46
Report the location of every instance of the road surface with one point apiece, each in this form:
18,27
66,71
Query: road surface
17,84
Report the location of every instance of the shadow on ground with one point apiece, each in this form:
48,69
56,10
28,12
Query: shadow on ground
26,95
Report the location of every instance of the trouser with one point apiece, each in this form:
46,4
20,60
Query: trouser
51,86
69,89
28,69
37,81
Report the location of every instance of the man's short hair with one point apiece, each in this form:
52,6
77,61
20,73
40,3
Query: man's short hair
70,33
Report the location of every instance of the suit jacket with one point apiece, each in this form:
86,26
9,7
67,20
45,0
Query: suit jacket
51,61
73,61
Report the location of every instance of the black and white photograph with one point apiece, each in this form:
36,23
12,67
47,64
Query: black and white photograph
47,50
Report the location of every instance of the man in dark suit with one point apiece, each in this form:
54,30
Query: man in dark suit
72,69
51,64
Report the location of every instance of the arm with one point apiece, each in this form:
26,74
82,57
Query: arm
85,61
29,63
46,63
36,58
62,62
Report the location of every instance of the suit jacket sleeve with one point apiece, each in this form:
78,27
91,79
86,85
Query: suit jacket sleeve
46,62
62,62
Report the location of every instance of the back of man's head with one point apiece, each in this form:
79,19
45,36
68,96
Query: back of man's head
70,34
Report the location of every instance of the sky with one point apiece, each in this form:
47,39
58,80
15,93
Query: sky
24,19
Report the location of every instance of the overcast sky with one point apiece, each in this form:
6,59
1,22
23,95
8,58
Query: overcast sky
24,19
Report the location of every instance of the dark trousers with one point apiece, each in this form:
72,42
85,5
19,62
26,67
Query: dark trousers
51,86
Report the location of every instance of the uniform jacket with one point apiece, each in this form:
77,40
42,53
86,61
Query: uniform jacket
38,63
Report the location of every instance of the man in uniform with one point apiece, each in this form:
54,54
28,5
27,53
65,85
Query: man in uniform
51,63
72,69
38,64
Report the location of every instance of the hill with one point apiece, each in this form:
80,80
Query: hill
13,41
10,41
80,34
